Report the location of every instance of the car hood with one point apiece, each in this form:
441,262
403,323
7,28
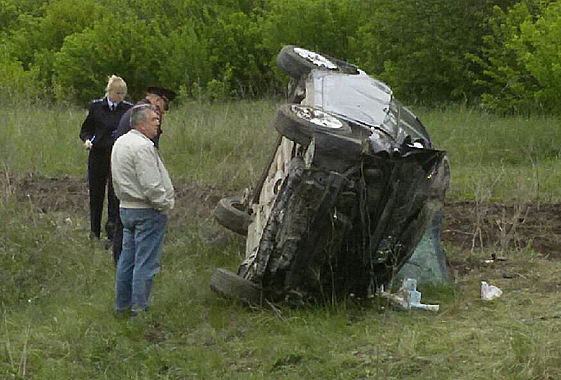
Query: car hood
364,100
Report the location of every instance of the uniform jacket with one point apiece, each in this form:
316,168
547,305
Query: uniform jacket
101,123
139,176
125,123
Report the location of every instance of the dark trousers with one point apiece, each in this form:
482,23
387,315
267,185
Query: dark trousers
99,177
117,240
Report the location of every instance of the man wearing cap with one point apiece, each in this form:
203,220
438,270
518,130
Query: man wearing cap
159,97
155,95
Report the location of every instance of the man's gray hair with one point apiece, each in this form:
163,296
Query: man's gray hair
140,113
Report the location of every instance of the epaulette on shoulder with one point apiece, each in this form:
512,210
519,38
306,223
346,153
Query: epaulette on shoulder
128,103
97,100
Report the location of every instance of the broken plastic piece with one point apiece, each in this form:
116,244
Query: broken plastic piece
426,307
408,296
414,296
489,292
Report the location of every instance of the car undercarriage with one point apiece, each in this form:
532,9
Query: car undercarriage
350,188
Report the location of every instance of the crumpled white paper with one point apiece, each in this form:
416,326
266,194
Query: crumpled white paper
489,292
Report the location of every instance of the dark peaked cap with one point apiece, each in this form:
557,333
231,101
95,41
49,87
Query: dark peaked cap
169,95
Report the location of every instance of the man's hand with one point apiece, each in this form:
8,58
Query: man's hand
88,144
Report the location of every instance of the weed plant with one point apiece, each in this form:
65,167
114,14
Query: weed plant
57,285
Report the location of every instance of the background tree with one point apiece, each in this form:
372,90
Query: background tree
520,59
501,53
420,47
321,25
133,51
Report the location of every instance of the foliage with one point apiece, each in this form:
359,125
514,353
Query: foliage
323,26
8,15
186,60
507,85
521,59
87,59
237,58
429,52
420,48
17,84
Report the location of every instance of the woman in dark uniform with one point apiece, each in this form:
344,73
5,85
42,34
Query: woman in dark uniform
98,135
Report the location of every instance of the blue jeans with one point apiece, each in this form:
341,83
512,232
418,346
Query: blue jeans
143,235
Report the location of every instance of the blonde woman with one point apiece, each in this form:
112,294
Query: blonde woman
98,136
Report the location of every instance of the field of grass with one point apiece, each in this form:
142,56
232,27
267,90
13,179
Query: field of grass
57,286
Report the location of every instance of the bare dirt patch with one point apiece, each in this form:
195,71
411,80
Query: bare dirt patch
467,225
48,194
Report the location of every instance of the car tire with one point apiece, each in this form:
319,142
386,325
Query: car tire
299,123
229,284
297,62
229,213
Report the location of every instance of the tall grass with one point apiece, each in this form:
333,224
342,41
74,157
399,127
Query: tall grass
57,286
41,139
501,158
226,145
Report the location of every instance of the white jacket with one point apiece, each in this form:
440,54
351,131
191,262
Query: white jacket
140,178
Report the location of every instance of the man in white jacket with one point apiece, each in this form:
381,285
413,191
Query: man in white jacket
146,194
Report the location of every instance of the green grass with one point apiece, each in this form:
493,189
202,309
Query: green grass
57,286
226,145
509,159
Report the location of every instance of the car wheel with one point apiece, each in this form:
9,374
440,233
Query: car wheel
298,123
297,62
230,213
229,284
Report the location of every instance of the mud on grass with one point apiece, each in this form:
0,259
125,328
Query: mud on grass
469,228
468,225
472,226
69,194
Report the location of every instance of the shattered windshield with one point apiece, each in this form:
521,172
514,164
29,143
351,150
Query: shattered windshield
365,100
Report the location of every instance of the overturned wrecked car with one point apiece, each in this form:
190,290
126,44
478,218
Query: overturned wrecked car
350,187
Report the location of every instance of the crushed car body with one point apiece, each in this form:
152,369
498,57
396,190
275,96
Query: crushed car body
351,186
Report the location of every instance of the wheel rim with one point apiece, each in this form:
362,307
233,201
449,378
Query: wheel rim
315,58
317,117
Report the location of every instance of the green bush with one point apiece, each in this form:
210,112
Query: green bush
539,52
186,60
324,26
420,48
17,84
236,55
429,52
520,59
131,51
